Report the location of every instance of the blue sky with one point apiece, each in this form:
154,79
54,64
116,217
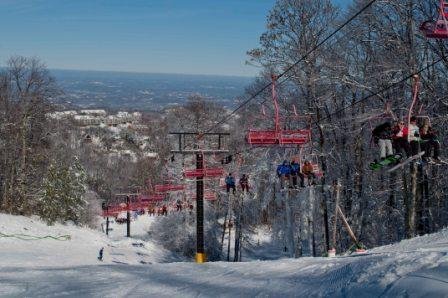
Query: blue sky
169,36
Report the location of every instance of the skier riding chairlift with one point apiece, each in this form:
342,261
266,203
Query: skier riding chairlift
230,183
284,173
308,172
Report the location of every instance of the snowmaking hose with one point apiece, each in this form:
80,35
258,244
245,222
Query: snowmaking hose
32,237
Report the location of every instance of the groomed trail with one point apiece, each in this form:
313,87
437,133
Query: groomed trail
138,268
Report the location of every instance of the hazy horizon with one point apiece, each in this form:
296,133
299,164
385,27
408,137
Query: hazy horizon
175,37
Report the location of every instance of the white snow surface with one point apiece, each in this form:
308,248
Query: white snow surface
138,267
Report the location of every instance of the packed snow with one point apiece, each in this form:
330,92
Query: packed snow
138,267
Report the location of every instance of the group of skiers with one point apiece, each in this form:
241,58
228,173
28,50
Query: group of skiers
408,140
231,183
290,171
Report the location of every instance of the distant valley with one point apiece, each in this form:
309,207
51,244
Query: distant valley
143,91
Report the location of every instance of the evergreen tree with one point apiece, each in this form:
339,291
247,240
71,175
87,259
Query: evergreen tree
63,191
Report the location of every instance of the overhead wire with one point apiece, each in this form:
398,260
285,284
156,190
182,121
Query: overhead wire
318,45
313,49
390,86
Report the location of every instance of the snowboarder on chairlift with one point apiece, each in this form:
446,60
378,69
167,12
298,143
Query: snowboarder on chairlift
382,135
244,183
295,172
414,136
230,183
400,138
429,142
284,173
100,254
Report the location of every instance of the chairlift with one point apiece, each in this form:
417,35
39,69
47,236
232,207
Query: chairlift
439,28
278,136
204,173
168,187
152,197
209,195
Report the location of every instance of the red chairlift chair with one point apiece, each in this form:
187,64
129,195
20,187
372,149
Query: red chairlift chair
110,213
205,172
439,28
209,195
278,136
152,198
168,187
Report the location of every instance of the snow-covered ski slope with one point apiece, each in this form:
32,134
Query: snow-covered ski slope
135,267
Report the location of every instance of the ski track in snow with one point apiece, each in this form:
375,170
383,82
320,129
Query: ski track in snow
48,268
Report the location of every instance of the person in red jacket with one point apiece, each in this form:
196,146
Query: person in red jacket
400,138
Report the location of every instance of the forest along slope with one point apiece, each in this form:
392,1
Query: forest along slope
416,267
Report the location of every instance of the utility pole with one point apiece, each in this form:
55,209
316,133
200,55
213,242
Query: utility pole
107,221
200,144
335,223
128,217
289,229
200,252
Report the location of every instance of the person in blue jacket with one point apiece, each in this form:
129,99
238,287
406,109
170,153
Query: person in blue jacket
230,183
284,172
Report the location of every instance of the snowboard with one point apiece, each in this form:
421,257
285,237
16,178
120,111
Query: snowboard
385,162
406,161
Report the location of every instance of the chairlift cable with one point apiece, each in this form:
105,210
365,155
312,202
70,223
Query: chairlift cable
226,118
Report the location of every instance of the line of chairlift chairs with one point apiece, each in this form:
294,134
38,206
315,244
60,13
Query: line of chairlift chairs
271,137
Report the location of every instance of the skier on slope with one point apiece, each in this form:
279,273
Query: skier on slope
283,173
100,254
382,135
230,183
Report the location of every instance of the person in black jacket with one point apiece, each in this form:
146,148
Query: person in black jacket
382,135
430,143
244,183
100,254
